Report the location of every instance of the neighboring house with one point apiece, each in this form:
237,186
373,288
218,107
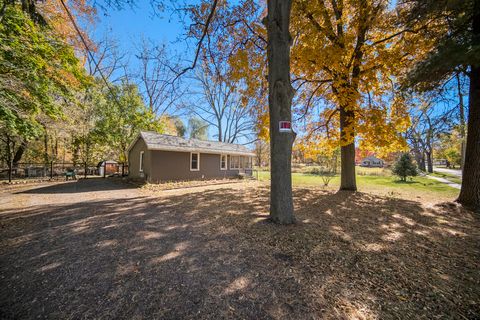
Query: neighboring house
160,157
371,161
440,162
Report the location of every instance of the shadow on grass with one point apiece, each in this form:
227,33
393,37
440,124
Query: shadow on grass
211,254
397,181
82,185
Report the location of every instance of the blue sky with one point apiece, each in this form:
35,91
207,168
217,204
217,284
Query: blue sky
129,25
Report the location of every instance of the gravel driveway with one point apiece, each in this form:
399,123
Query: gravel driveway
99,249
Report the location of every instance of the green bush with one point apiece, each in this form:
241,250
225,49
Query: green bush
404,167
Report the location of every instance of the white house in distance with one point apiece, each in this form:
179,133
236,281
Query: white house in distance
372,162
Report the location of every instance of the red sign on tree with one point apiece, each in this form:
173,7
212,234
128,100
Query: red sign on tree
285,126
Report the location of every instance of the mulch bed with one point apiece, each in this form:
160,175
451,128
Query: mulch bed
212,254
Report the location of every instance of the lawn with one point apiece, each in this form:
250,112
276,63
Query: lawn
378,181
104,250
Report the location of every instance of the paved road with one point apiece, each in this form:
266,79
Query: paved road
456,172
448,182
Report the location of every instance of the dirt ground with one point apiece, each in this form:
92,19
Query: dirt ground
100,249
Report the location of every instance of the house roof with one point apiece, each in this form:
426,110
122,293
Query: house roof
165,142
371,158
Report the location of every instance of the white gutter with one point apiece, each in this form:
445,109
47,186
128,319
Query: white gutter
201,150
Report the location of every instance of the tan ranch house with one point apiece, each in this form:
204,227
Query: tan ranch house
159,157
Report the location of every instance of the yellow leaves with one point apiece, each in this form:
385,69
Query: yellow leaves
240,65
263,125
57,17
313,148
25,94
380,128
364,70
169,125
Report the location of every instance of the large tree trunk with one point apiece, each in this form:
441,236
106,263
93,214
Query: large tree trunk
8,151
19,153
219,127
429,148
470,192
419,158
429,162
461,112
347,152
259,150
46,158
280,94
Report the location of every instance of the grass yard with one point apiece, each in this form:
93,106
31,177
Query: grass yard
379,183
106,250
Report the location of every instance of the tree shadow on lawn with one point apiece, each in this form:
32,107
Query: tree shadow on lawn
80,186
398,181
414,182
213,254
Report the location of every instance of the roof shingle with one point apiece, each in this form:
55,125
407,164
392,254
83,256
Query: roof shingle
156,141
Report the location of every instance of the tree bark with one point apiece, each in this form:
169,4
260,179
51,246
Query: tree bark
280,94
429,162
462,120
347,153
9,151
470,191
419,158
46,158
19,153
428,147
422,165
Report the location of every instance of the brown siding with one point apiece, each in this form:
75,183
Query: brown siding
169,165
134,160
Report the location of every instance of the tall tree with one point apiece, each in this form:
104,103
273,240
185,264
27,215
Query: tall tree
428,124
122,118
262,153
280,91
156,78
179,126
346,58
461,116
457,47
280,95
220,104
197,128
38,74
53,14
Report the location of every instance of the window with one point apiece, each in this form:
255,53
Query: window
238,162
234,162
223,162
141,161
249,163
194,161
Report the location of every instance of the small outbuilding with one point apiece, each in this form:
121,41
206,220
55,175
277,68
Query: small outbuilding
372,162
108,167
159,157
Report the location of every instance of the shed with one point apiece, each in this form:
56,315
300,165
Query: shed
109,166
